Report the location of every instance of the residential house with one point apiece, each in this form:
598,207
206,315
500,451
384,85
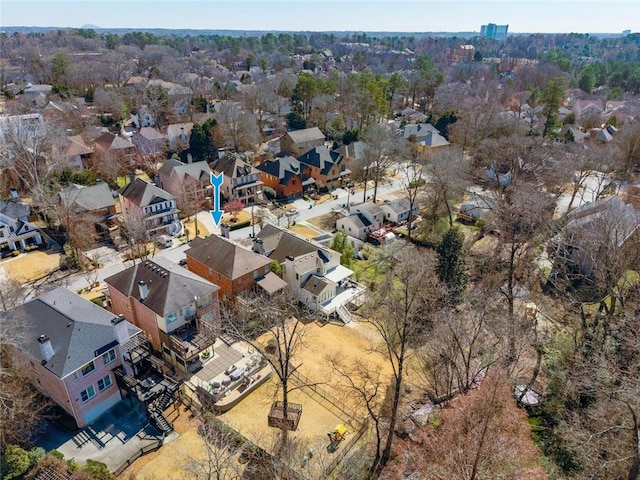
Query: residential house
115,145
69,348
326,167
177,309
149,141
587,108
418,130
400,210
94,204
76,151
16,232
241,181
296,142
235,269
190,183
595,231
149,206
365,218
178,135
477,207
143,118
178,95
283,174
312,271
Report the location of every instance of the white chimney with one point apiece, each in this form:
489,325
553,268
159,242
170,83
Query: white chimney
46,349
120,329
14,193
144,290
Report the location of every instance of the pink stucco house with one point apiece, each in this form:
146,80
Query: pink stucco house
69,347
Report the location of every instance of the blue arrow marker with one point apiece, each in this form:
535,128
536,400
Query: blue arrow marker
216,213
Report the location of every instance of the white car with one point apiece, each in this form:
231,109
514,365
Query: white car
293,212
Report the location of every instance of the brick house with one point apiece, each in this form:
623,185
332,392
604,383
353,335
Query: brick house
178,310
283,175
297,142
190,183
233,268
69,347
324,166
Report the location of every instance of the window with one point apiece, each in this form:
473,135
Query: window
104,383
109,357
87,369
88,393
75,376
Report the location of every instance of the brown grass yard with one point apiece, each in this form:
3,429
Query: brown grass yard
321,341
325,222
31,265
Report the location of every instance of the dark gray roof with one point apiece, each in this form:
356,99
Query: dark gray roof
226,257
232,166
171,287
279,243
142,193
282,168
76,327
87,199
14,209
306,135
322,158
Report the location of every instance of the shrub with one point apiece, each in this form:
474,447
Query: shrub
238,225
16,462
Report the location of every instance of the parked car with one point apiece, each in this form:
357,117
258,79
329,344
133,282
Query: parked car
164,241
293,212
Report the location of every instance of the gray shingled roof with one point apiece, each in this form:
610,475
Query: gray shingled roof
171,287
315,284
306,135
398,205
232,166
618,220
14,209
197,170
226,257
87,199
142,193
370,207
76,327
419,130
279,242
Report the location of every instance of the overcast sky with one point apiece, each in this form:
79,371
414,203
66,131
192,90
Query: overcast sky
525,16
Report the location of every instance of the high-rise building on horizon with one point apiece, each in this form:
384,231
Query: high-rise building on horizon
497,32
